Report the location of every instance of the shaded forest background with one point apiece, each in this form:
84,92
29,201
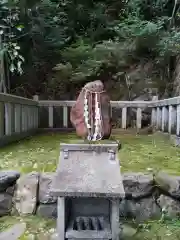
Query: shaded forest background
52,48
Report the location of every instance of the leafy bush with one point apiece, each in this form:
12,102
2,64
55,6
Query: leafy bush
88,39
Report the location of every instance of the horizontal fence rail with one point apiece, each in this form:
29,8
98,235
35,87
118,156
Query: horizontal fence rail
18,117
118,104
164,114
122,106
165,102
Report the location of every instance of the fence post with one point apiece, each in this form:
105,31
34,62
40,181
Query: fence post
65,116
124,117
154,113
138,118
172,119
178,120
50,116
2,113
36,112
18,114
8,119
164,118
159,118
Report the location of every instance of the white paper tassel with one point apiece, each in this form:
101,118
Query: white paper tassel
86,114
97,123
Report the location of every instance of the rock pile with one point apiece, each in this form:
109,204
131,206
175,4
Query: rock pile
147,196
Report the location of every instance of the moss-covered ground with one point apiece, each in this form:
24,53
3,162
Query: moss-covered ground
139,153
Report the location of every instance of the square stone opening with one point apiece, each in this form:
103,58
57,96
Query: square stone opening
88,217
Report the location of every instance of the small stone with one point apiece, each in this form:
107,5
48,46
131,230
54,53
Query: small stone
5,204
170,207
26,193
45,184
47,210
7,179
127,231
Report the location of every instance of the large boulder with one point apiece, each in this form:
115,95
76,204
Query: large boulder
7,179
138,184
84,112
26,193
167,183
140,210
45,183
139,187
5,204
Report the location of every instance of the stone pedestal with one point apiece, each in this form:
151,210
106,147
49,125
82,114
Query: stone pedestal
89,188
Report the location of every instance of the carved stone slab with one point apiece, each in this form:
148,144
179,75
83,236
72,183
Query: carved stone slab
88,170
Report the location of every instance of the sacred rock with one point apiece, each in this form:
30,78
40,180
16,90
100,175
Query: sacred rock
91,114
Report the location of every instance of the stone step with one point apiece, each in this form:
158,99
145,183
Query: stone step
14,232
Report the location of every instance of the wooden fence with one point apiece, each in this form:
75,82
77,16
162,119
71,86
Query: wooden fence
20,117
51,106
166,115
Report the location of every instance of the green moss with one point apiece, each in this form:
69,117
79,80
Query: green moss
157,230
36,226
138,153
152,230
38,153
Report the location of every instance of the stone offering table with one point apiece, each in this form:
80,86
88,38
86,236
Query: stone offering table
89,188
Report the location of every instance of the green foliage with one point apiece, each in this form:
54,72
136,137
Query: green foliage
86,39
169,44
142,30
10,31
